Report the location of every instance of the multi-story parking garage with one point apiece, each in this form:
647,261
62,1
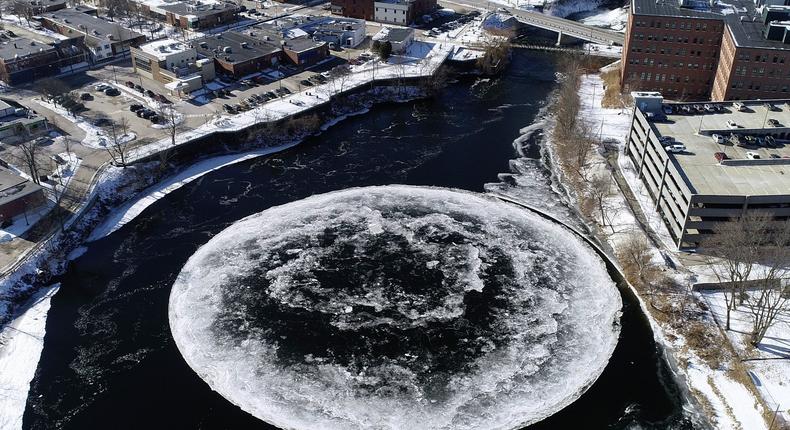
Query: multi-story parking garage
712,182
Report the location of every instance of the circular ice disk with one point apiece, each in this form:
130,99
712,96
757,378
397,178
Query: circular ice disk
396,307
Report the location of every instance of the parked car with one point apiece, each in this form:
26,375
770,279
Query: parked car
102,122
771,107
248,82
773,123
709,108
136,107
751,140
720,156
86,96
156,119
676,148
139,88
150,93
112,92
306,83
752,155
102,87
732,124
717,138
769,141
667,109
228,108
130,84
740,107
271,95
775,156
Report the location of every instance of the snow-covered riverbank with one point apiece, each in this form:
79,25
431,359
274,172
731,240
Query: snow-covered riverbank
728,402
21,343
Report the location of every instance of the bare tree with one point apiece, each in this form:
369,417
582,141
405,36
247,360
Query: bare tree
172,121
31,155
339,76
116,148
67,142
771,297
732,253
601,188
637,260
496,55
23,9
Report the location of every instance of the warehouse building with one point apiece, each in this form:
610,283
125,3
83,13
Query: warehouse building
707,179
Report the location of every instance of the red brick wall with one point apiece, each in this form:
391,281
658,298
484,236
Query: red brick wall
751,73
19,206
676,56
361,9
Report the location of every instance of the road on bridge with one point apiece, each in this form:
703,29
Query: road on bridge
561,25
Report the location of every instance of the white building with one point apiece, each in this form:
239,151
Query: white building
392,11
399,37
346,32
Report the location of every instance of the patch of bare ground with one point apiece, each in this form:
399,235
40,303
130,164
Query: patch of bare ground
613,96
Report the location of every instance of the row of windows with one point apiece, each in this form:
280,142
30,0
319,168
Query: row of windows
665,38
654,50
759,72
757,86
403,11
682,25
660,64
662,77
760,58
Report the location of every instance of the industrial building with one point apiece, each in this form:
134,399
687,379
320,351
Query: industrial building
173,63
18,196
103,39
688,50
730,160
237,54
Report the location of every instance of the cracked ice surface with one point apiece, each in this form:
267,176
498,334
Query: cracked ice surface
396,307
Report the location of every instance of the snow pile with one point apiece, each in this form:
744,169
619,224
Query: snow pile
132,208
315,314
615,19
499,21
22,340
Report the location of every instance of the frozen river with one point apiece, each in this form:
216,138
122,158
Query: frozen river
110,361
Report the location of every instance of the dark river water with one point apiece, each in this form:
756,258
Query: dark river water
109,361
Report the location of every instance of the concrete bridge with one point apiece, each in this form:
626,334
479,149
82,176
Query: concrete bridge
566,27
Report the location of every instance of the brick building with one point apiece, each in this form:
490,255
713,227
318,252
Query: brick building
195,15
720,53
237,54
25,60
360,9
18,196
104,40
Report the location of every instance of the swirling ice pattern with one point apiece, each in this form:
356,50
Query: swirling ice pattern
396,308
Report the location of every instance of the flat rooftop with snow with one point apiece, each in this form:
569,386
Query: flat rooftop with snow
770,174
